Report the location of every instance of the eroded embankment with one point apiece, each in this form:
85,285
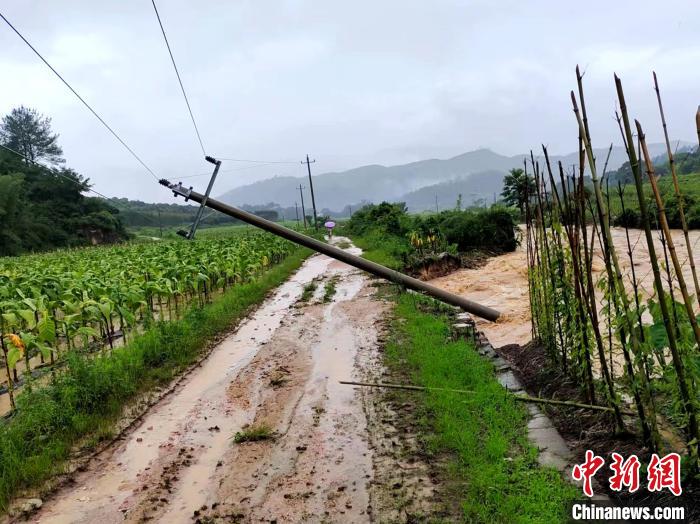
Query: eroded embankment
501,283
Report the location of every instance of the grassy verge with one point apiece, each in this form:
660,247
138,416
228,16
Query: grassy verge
384,251
87,397
484,435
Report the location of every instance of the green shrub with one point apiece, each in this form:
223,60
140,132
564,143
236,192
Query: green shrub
492,228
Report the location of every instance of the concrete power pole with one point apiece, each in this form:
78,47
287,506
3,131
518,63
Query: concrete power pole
303,211
311,186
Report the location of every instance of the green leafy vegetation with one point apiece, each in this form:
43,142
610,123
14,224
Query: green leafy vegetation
390,236
79,299
308,291
253,434
42,208
87,394
329,289
516,188
631,216
485,434
154,216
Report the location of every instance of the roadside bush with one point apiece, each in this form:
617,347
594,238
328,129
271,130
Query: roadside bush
492,229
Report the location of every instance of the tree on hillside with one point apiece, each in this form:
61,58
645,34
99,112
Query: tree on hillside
516,186
28,132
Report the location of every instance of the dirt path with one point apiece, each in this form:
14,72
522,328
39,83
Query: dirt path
280,370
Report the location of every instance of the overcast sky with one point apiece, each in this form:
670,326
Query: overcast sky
350,83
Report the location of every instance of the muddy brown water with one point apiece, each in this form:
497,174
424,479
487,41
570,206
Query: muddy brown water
280,369
502,283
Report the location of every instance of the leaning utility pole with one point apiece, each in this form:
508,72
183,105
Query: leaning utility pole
337,253
311,186
303,211
200,211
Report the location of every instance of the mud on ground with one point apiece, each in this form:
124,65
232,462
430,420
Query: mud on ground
325,452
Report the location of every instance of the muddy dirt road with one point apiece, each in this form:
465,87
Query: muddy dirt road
279,371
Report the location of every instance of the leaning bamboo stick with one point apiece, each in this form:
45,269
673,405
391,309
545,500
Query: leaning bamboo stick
649,426
677,189
678,363
669,240
518,397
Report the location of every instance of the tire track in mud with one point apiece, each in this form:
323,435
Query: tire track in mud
279,369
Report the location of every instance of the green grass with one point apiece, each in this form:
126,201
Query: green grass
308,292
253,434
485,434
384,250
329,289
690,189
87,396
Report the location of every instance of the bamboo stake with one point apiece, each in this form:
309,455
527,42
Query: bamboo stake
544,271
518,397
586,267
697,125
649,426
669,240
672,342
528,225
676,188
607,375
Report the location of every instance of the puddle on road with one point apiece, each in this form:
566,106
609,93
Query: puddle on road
171,463
179,421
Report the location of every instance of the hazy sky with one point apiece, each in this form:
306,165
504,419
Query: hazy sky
351,83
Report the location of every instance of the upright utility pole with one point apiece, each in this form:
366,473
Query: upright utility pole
296,211
311,186
436,204
160,224
303,211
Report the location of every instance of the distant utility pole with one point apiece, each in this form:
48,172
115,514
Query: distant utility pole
160,224
437,210
311,186
303,211
296,210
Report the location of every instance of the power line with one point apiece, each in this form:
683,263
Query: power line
79,97
223,171
184,94
257,161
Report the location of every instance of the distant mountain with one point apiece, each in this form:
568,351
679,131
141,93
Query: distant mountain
473,188
477,173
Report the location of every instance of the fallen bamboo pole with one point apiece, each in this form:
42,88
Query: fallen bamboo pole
520,398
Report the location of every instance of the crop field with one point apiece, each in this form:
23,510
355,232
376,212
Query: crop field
94,298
